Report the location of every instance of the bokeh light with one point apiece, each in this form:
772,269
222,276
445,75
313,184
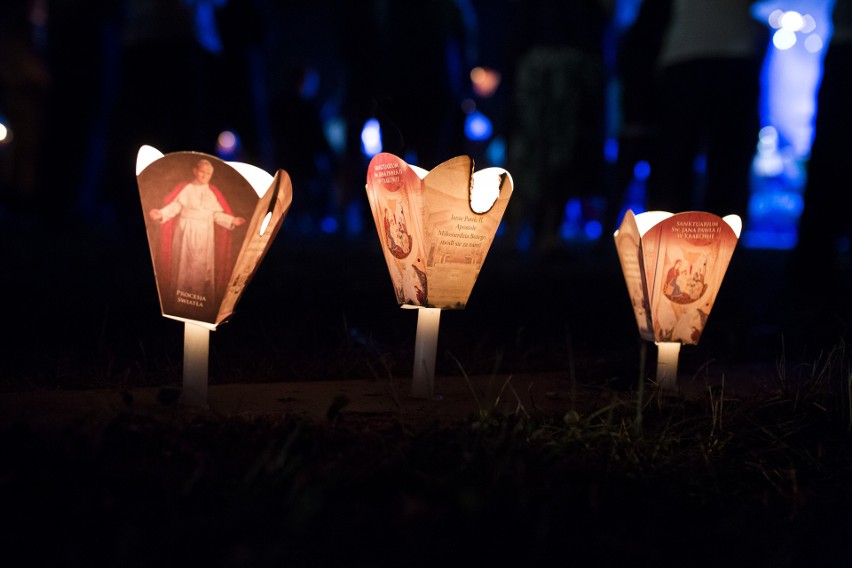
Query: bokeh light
784,39
227,145
485,81
328,225
813,43
371,138
792,21
768,138
774,18
477,126
788,24
495,153
611,150
642,170
593,229
768,162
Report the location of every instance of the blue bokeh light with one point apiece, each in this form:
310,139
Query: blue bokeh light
371,138
495,153
477,126
611,150
791,77
328,225
641,170
593,229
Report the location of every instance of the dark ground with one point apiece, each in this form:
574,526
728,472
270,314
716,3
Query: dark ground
149,483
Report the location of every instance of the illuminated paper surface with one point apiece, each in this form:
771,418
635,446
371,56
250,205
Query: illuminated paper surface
435,227
207,231
673,266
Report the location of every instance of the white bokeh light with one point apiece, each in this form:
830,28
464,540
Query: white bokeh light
768,138
792,21
227,141
371,137
813,43
774,18
784,39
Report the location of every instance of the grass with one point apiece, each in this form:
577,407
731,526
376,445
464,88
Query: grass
644,477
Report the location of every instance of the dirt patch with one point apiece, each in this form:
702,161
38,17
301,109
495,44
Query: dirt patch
456,398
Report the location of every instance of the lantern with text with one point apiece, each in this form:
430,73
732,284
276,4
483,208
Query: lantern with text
435,229
674,265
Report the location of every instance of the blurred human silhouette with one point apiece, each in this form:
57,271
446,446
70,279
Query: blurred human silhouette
709,65
636,67
825,228
556,144
24,83
168,92
300,143
405,66
358,24
419,103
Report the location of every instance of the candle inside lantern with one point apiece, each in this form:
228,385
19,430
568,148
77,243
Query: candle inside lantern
425,349
667,355
196,347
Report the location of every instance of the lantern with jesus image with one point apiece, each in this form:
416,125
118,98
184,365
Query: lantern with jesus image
435,229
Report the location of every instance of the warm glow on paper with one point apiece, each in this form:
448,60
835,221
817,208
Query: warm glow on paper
674,266
435,227
209,224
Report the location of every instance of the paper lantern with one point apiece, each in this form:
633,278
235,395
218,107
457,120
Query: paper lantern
209,225
435,229
674,265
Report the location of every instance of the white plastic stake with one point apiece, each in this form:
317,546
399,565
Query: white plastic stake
425,349
667,355
196,348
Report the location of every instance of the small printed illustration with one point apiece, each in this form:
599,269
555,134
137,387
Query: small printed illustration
396,232
685,282
414,284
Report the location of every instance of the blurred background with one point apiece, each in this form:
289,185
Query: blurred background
318,87
576,99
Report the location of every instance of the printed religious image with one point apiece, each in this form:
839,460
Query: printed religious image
694,252
684,282
197,211
395,194
399,240
434,234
